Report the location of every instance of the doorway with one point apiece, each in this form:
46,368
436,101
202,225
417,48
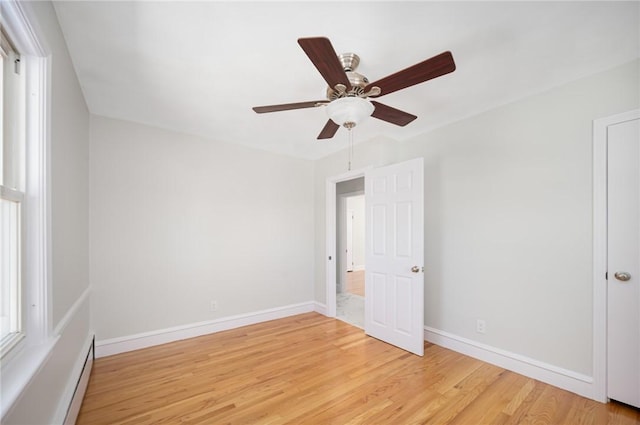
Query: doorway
350,229
353,186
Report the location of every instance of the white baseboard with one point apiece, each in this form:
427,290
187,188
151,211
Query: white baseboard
79,390
553,375
320,308
358,268
112,346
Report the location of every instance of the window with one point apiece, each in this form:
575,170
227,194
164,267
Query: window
12,188
25,293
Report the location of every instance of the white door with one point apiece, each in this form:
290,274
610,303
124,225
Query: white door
349,240
623,291
394,279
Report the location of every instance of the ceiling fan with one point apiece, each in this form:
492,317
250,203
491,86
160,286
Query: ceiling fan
349,87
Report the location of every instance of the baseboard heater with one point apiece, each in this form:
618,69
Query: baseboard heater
81,387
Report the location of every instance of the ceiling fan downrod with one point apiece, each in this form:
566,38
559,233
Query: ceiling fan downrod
349,62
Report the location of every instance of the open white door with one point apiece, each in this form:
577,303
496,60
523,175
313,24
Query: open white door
394,279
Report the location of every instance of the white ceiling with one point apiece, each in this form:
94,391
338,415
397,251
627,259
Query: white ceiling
199,67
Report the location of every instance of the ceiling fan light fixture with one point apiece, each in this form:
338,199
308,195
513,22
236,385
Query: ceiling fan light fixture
349,111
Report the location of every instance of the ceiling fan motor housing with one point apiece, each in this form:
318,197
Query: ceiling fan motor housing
349,62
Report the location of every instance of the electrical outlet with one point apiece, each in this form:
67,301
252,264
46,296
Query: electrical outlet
481,326
214,306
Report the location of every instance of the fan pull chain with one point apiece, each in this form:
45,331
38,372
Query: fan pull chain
350,147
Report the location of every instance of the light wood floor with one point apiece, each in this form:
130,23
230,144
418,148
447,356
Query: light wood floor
310,369
355,283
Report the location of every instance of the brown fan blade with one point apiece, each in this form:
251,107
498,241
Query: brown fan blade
329,130
288,106
392,115
416,74
325,58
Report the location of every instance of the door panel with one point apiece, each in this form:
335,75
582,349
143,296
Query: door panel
378,297
379,230
403,316
623,296
394,304
403,217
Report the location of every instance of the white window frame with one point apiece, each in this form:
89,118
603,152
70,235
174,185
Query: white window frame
20,365
13,187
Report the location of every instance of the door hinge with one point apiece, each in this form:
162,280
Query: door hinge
606,275
16,65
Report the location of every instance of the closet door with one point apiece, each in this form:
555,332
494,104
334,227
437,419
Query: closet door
623,291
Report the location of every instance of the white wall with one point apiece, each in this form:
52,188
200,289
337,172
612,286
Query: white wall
356,204
178,221
508,216
69,178
45,399
350,186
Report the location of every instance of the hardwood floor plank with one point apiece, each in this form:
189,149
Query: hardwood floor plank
583,412
310,369
551,407
520,413
620,414
465,392
519,398
491,403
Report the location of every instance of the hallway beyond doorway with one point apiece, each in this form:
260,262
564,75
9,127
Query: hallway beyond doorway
355,283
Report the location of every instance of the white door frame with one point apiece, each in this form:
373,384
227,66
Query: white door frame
600,249
330,235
